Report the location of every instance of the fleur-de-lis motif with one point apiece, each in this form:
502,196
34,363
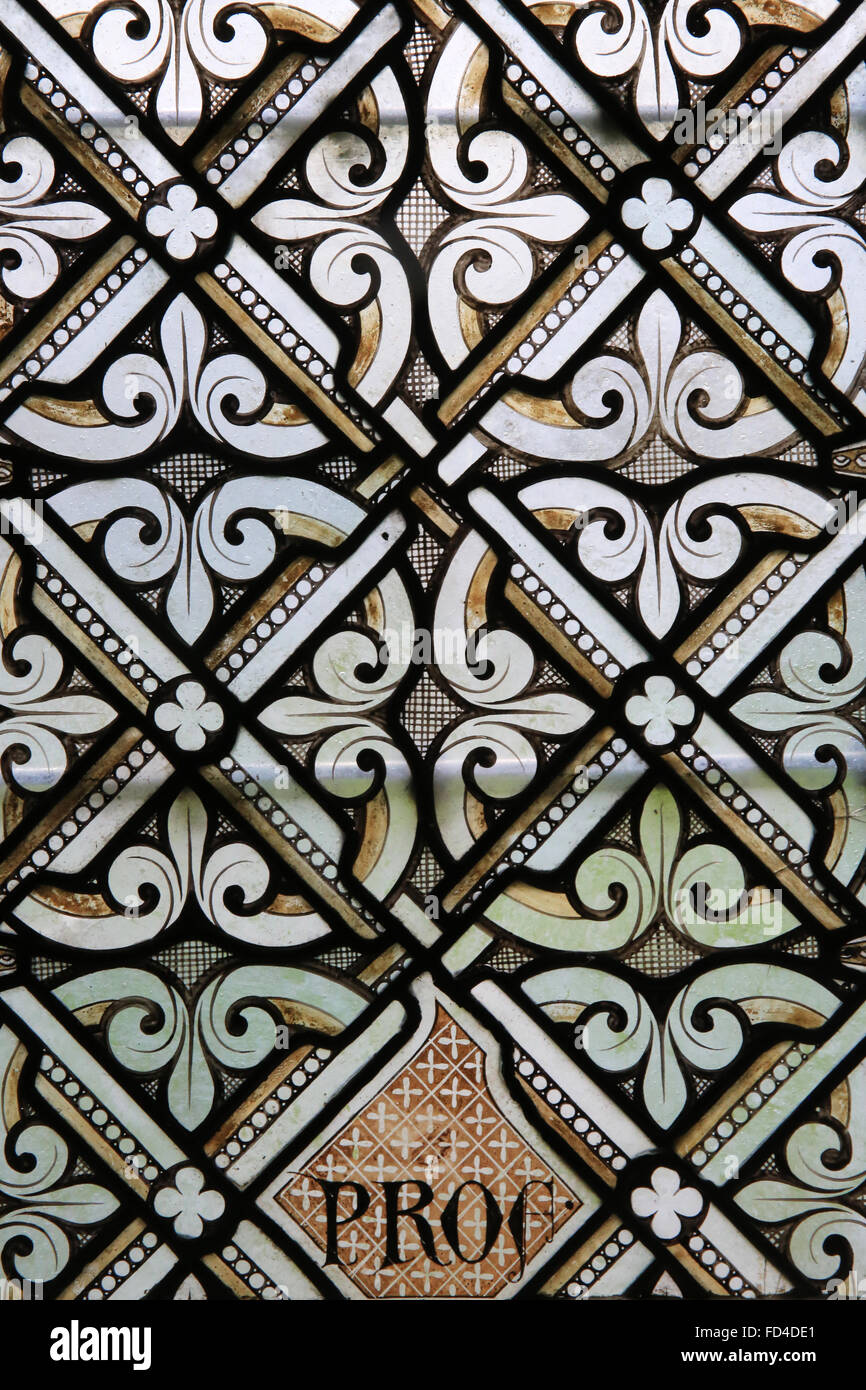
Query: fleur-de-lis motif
823,253
702,1029
618,38
41,1203
37,713
29,222
828,1170
177,45
156,1029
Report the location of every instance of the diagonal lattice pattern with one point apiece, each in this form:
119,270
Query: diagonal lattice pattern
433,653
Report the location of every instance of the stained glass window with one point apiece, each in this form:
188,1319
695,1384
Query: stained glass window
433,637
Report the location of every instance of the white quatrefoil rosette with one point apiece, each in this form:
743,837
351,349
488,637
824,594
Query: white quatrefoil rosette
189,716
665,1202
657,214
182,222
660,710
189,1203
